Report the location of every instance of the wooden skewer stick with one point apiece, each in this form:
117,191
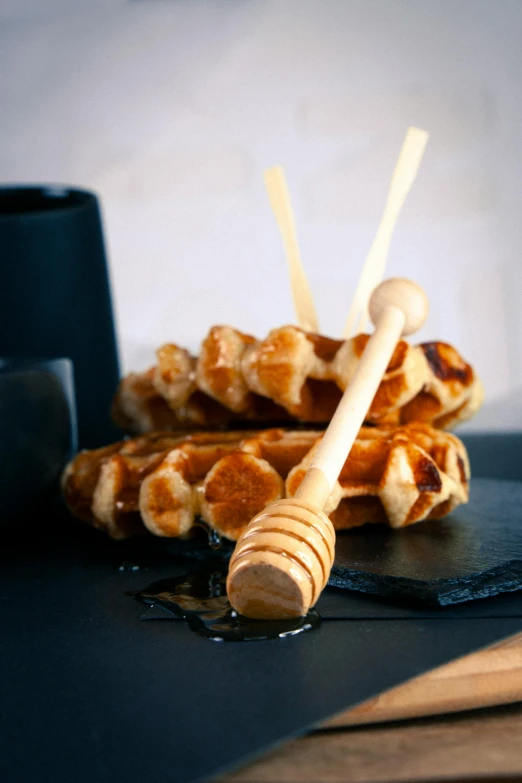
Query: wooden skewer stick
280,202
284,558
403,177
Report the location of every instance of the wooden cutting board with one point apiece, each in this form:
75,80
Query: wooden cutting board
486,678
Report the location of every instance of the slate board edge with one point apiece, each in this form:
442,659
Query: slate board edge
431,593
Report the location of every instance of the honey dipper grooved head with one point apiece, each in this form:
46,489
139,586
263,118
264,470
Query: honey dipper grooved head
404,294
281,562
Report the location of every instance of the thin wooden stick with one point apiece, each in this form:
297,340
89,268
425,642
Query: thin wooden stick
397,307
403,177
280,202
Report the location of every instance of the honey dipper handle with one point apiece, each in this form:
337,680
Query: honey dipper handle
372,273
397,307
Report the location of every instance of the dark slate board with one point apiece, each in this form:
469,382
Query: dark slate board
340,604
476,552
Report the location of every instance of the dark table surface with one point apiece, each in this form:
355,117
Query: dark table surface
90,693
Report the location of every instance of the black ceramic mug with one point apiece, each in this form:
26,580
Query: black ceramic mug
54,294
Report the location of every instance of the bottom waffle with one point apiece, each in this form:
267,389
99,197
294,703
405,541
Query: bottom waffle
163,482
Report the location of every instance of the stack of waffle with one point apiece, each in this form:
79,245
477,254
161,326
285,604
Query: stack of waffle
403,467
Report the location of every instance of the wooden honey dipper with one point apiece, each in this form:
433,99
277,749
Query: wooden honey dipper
283,560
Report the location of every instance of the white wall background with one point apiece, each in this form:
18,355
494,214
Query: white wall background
171,109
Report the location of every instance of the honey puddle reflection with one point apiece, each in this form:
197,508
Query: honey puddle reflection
200,598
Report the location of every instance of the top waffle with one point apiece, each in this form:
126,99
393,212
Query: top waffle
292,375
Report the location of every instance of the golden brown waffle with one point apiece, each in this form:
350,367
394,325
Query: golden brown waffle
396,475
102,486
292,375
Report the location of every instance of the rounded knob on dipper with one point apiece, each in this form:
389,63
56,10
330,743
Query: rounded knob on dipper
404,295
